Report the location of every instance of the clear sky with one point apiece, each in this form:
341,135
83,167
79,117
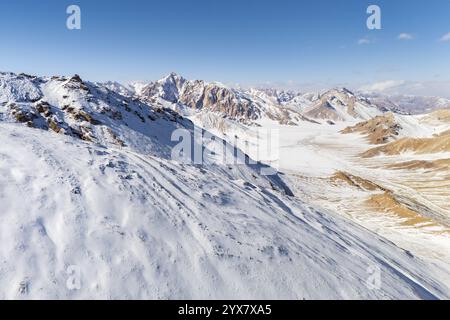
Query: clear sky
250,42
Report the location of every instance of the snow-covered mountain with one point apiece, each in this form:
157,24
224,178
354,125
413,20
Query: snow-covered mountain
253,106
119,88
94,113
197,97
407,104
89,181
140,226
392,126
341,105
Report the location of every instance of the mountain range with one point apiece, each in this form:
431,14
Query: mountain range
356,205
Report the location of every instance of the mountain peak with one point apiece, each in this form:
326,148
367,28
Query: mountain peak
173,77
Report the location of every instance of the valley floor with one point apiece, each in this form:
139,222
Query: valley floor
393,196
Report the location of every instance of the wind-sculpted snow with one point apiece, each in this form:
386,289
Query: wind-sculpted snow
138,226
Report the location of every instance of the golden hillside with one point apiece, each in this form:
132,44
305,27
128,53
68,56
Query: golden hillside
439,143
377,130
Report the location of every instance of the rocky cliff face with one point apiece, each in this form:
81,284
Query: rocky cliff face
200,95
244,106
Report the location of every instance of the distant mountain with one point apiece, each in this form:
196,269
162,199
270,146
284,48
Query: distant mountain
88,182
93,113
407,104
256,105
342,105
217,103
197,96
248,106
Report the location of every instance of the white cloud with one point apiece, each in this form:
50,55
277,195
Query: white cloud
364,41
418,88
445,38
383,85
405,36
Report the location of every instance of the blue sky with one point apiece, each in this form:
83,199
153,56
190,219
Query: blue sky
286,43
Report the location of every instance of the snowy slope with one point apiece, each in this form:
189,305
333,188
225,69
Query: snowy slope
138,226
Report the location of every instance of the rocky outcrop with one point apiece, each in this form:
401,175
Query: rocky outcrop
378,130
